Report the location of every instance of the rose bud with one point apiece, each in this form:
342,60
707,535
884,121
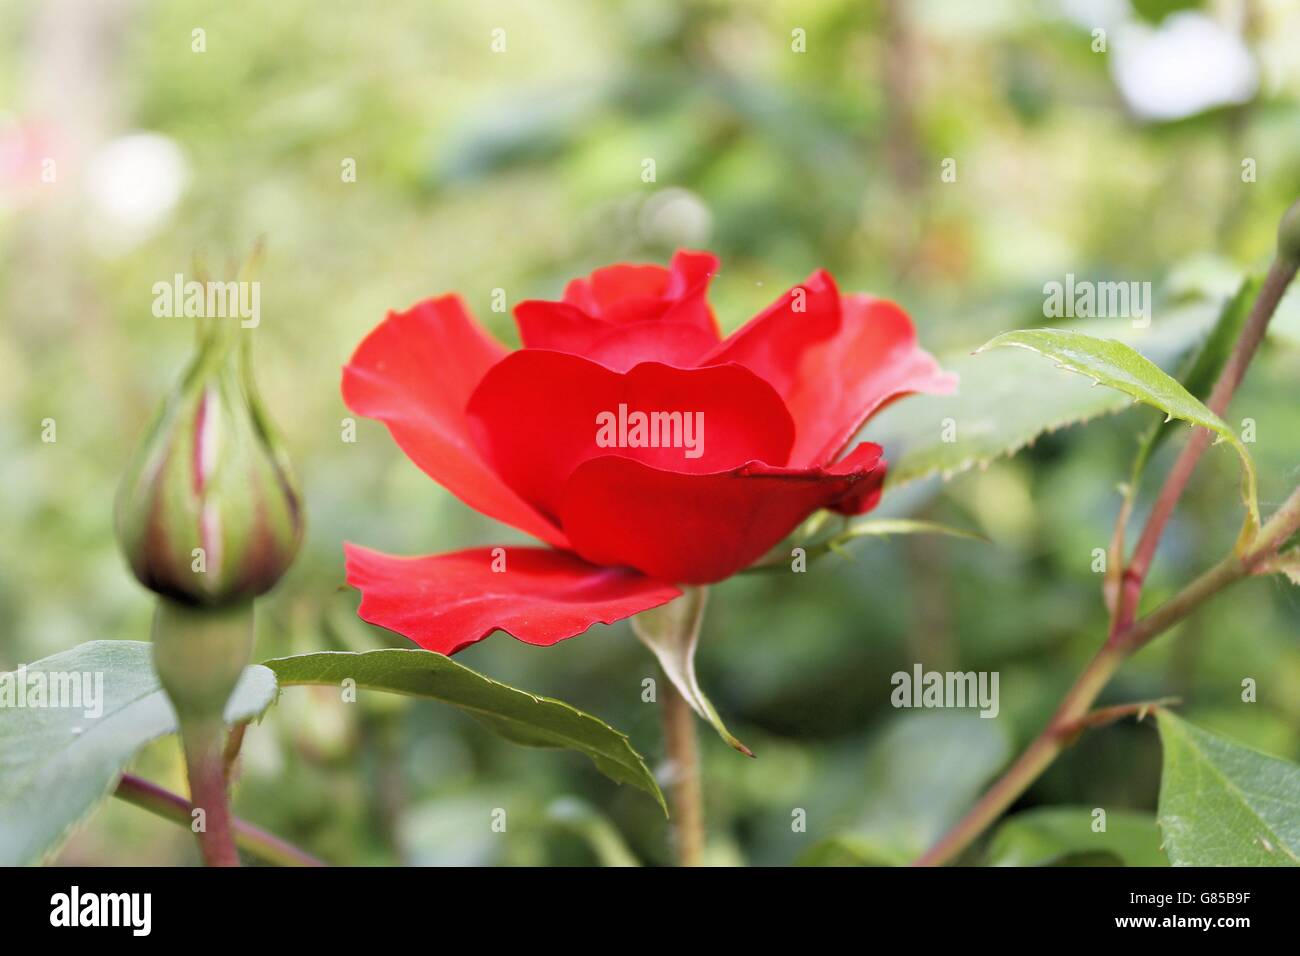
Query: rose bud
209,511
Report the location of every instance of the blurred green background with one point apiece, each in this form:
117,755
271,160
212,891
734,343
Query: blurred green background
478,170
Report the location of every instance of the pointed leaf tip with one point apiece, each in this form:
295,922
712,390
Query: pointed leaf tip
1123,368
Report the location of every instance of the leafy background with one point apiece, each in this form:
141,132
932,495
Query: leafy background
478,171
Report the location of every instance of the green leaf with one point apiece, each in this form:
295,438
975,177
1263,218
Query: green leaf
57,763
517,715
1118,366
880,528
1063,836
1008,399
1203,371
672,632
887,527
1200,374
1222,804
923,771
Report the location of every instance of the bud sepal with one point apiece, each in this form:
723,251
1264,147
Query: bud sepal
209,512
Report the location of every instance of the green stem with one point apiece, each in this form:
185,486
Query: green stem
684,769
254,841
199,654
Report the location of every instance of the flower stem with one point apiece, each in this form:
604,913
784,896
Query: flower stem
1134,574
254,841
1127,633
686,790
1030,765
204,752
1063,728
1109,715
199,654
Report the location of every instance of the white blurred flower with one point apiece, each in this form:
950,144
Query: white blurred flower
1185,66
133,184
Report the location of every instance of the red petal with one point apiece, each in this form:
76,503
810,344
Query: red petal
558,326
673,343
598,307
620,293
846,359
696,529
866,494
873,360
414,373
535,417
445,602
624,293
772,343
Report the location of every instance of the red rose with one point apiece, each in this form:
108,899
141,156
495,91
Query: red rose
628,435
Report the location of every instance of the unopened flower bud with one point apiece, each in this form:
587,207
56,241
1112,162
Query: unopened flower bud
209,512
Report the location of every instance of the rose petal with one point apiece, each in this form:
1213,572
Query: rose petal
637,293
414,373
865,495
771,343
873,360
444,602
597,307
535,417
842,363
697,529
620,293
672,343
559,326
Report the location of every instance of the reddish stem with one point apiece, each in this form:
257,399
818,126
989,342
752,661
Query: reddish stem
204,762
1127,633
252,840
1073,712
1275,285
